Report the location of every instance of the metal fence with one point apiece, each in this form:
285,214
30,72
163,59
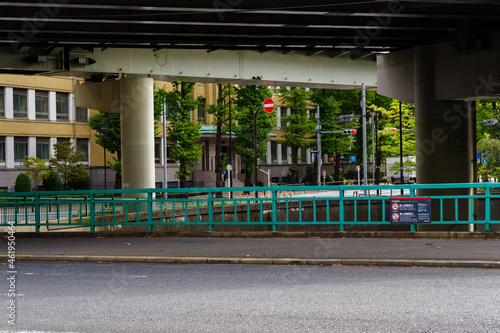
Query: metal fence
453,204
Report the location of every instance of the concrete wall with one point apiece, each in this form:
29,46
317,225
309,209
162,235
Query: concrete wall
307,209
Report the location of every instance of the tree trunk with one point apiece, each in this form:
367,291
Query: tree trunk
248,179
294,171
118,177
338,162
314,181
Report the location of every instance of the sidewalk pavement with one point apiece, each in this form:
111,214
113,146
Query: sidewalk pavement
404,252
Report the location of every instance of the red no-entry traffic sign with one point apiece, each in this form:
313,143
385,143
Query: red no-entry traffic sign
268,105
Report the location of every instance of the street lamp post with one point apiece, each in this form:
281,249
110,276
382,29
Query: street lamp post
268,106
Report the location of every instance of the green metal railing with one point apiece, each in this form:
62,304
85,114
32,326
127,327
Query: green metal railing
341,206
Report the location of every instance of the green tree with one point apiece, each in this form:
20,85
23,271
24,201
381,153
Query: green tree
184,132
108,135
298,127
37,169
331,144
220,111
487,109
389,136
491,147
52,181
65,160
79,178
248,101
23,183
408,166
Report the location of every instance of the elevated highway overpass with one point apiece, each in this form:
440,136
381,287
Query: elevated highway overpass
440,54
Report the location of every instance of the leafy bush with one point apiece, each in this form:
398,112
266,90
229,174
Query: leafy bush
78,178
23,183
52,181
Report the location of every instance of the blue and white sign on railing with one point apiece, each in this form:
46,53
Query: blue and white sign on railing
411,210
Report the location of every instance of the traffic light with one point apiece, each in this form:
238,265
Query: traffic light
484,158
349,131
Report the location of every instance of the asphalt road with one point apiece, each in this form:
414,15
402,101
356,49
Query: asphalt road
61,297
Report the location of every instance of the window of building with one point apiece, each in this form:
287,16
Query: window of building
303,153
274,152
20,104
61,140
283,115
42,148
2,151
312,114
81,115
42,105
170,146
20,150
2,105
201,111
158,146
62,109
82,146
284,154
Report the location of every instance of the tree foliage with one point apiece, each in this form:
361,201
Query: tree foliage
220,111
487,109
36,169
52,181
488,139
248,101
184,132
389,135
65,160
108,135
298,127
23,183
491,170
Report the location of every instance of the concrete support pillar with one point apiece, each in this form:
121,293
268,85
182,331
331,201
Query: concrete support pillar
444,139
137,128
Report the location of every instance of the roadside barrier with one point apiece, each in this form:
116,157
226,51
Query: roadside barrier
452,204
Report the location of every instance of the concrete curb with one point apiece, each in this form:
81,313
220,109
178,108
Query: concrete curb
260,261
264,234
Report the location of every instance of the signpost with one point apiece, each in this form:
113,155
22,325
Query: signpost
268,106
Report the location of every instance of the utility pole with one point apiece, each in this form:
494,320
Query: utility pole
365,162
401,147
318,153
165,157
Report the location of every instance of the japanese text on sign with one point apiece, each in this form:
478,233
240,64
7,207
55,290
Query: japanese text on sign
414,210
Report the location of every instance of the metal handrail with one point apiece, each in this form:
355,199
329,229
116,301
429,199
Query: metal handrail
338,205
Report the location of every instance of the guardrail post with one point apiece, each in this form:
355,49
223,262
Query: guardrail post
275,209
210,210
341,210
150,210
37,212
92,211
487,208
